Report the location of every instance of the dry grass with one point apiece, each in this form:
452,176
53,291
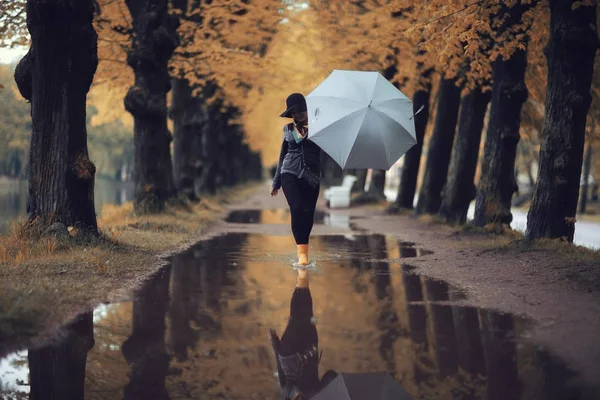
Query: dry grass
46,281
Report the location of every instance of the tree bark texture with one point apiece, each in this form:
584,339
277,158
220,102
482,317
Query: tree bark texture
460,188
440,148
412,158
188,121
497,182
154,40
55,77
57,371
210,141
587,164
570,52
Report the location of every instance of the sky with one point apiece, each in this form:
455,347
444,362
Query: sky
8,56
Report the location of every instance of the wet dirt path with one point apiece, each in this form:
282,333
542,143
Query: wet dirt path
198,329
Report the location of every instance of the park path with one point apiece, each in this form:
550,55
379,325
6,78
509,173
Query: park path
389,293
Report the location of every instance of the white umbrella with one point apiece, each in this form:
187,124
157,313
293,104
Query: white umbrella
361,120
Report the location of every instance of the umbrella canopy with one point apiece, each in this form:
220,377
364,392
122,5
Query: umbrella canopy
363,386
361,120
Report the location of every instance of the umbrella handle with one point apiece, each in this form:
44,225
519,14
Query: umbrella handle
418,111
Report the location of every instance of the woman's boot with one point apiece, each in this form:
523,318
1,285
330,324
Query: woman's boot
303,254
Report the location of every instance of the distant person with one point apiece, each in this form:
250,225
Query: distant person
297,352
299,173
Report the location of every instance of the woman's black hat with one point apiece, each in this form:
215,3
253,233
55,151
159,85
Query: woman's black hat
294,102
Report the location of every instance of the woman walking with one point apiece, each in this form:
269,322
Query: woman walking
298,172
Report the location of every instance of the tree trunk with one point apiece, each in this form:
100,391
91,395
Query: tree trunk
332,171
145,350
188,120
57,372
440,148
55,77
570,53
497,182
210,141
587,164
375,193
412,159
377,185
154,40
460,188
361,180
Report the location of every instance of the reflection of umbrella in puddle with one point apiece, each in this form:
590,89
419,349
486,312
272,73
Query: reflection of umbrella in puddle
363,386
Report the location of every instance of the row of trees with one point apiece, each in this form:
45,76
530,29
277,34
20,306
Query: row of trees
475,67
474,56
143,38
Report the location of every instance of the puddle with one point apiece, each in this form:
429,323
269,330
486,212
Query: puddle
273,216
198,330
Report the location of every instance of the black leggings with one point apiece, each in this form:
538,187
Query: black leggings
299,335
300,332
302,199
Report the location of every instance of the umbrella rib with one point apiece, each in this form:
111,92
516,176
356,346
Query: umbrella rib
339,119
383,113
386,145
375,86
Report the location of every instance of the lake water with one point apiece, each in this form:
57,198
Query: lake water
13,198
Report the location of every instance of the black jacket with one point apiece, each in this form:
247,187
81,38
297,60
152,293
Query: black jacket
290,156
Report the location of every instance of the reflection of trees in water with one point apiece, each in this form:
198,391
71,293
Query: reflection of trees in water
557,380
198,279
373,247
469,353
500,351
456,345
443,328
145,350
203,282
417,322
185,298
471,358
57,371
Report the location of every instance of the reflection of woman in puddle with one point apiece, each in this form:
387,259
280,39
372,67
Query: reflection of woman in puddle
297,353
